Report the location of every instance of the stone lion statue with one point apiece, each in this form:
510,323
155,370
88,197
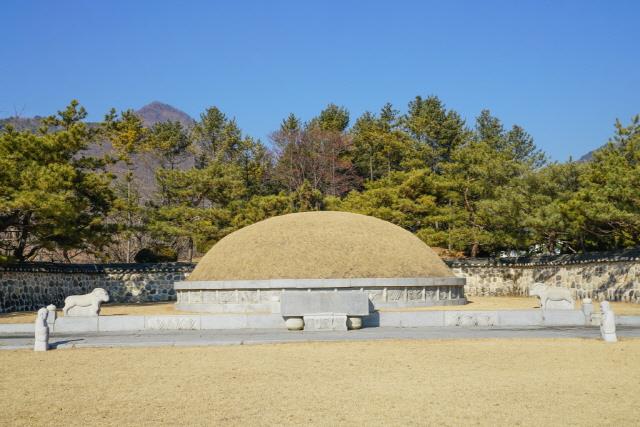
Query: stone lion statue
552,297
89,304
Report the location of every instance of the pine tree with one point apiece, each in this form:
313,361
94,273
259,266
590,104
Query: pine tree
53,195
128,137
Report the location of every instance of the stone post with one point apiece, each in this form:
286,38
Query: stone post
587,310
51,314
41,331
608,325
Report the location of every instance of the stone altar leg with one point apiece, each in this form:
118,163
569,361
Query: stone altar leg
354,322
51,315
294,323
587,310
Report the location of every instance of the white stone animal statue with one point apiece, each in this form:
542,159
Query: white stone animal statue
608,325
85,305
552,297
41,331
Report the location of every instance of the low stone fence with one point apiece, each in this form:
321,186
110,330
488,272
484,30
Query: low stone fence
614,276
394,319
25,287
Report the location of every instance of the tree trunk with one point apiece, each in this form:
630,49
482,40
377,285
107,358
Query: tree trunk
190,249
128,258
475,248
18,252
449,242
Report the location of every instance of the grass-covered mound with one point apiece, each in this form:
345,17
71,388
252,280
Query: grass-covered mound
319,245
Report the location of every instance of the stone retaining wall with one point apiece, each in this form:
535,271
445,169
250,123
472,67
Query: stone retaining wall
606,275
26,287
614,276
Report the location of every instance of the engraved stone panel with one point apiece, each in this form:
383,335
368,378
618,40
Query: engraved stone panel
196,296
209,297
325,322
248,297
172,323
227,296
455,293
395,294
269,296
466,320
414,294
486,319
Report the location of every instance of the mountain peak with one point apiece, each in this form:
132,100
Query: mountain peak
156,112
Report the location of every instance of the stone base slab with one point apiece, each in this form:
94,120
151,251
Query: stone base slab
256,296
259,308
398,319
81,312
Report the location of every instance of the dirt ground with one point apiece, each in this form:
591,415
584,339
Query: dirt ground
475,303
479,382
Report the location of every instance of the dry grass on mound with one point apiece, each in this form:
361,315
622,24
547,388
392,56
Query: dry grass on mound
319,245
480,382
475,303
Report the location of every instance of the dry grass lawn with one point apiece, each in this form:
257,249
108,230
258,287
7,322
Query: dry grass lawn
475,303
473,382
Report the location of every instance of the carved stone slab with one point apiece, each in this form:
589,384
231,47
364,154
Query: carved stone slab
476,319
172,322
325,322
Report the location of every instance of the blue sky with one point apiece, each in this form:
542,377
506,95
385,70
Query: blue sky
564,70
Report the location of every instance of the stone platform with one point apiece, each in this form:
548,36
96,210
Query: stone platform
263,296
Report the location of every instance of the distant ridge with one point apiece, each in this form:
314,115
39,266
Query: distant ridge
150,114
157,112
22,123
144,164
587,157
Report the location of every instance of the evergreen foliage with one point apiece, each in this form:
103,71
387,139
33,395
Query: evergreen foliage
478,189
53,197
